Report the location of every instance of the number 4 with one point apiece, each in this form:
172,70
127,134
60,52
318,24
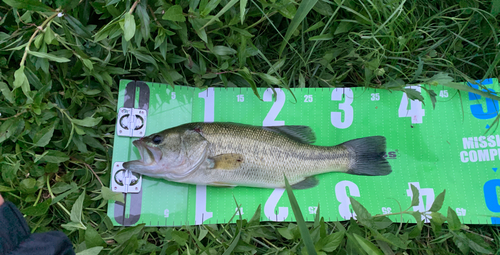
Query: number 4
415,112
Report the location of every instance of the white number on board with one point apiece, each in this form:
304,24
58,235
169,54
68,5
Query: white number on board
308,98
208,96
270,119
173,96
201,213
343,197
429,193
313,209
415,112
272,203
241,98
443,93
346,107
386,210
239,211
375,96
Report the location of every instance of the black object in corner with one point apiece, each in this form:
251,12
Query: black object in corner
16,239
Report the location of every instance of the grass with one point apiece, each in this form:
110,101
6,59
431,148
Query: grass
60,63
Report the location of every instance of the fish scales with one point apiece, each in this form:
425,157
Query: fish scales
269,156
228,154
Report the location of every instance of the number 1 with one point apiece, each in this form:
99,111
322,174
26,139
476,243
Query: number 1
208,95
201,213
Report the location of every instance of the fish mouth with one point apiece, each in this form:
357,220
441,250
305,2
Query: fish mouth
149,155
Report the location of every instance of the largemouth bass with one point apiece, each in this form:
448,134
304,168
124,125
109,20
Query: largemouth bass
229,154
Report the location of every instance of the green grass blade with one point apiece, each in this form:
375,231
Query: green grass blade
233,244
492,67
237,237
243,4
396,13
304,231
367,246
473,90
301,14
324,30
227,7
493,124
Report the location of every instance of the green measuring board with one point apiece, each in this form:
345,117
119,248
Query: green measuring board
433,149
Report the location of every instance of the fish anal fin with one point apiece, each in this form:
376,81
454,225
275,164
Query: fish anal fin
301,134
307,183
229,161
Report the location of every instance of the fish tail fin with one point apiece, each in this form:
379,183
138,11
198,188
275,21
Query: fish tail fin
369,156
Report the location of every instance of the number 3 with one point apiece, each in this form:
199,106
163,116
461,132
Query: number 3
336,117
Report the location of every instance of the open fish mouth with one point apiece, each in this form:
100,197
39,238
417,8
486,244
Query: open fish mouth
149,155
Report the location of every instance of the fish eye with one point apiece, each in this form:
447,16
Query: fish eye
157,139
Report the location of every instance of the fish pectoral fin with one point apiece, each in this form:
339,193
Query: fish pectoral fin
227,161
307,183
301,134
221,184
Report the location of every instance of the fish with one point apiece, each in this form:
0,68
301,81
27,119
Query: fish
233,154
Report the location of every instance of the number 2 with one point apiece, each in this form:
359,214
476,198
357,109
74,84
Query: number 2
272,203
270,119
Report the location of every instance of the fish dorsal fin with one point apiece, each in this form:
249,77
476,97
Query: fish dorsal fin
307,183
229,161
302,134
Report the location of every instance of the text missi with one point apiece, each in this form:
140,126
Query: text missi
480,148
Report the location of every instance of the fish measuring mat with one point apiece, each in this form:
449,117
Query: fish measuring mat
433,149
